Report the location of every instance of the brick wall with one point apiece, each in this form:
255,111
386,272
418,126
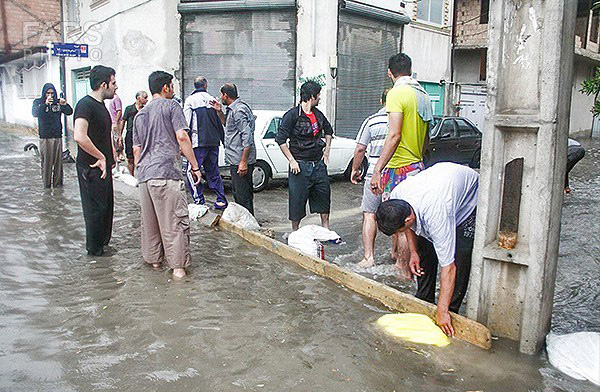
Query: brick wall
469,30
30,23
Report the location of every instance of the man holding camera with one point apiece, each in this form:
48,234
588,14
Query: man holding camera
48,109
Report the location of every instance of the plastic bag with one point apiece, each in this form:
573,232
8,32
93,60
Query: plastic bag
416,328
238,215
309,239
120,173
196,211
576,354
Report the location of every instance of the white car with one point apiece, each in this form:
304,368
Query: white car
272,164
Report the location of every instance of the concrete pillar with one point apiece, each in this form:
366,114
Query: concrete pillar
530,60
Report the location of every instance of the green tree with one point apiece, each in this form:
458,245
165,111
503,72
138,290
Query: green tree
592,86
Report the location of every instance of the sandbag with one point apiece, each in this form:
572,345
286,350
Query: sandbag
240,216
576,354
416,328
309,239
196,211
122,174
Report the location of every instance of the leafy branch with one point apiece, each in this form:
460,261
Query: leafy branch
592,86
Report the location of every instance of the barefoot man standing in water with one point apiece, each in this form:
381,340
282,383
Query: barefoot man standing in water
409,112
159,133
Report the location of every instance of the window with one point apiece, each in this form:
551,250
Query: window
483,65
431,11
484,16
464,128
72,15
97,3
273,128
447,129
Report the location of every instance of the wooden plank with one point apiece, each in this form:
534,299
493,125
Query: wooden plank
464,328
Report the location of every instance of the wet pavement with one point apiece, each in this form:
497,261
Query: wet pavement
244,319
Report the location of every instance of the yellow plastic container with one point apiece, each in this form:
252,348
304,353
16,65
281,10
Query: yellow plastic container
416,328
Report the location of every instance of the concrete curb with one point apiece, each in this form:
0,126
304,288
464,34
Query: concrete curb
465,329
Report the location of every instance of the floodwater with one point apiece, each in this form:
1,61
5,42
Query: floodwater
243,320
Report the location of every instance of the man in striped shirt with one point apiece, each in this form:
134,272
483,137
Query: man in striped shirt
373,133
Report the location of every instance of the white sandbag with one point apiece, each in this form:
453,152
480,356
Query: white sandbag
308,239
196,211
122,174
240,216
576,354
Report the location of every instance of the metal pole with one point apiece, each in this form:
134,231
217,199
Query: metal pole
63,79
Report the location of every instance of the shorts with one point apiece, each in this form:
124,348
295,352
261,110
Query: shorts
115,138
312,185
392,177
370,201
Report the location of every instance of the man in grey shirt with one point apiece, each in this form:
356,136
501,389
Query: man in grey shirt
240,152
159,133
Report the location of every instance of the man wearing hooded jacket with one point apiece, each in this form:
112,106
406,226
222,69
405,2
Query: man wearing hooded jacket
48,109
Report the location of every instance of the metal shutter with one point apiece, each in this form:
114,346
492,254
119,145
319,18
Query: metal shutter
255,49
364,48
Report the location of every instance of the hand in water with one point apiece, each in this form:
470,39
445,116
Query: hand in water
444,322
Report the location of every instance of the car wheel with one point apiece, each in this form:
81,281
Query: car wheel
476,160
260,176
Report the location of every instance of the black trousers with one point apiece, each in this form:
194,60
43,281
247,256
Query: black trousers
465,234
574,155
242,188
98,206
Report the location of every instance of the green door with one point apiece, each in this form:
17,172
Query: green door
436,93
81,83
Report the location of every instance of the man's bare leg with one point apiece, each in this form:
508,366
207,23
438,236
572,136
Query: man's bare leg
156,265
178,273
130,166
325,221
402,256
369,232
295,225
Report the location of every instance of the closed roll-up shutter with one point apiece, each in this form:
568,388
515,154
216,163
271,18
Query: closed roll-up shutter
364,48
256,50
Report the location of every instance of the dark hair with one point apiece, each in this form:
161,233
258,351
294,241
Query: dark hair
308,90
100,74
200,82
400,65
230,89
140,93
157,80
384,94
391,215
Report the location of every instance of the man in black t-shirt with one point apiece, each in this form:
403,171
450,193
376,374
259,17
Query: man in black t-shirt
305,126
95,158
127,122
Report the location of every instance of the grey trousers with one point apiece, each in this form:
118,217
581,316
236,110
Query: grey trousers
165,223
51,154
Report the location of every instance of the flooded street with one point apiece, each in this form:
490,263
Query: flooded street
244,319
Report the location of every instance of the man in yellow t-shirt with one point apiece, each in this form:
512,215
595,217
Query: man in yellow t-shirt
409,112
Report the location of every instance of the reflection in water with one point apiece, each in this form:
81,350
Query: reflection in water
243,320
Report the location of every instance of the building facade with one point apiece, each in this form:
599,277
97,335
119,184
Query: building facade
267,47
469,62
26,29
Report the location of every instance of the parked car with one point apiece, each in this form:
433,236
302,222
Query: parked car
272,164
453,139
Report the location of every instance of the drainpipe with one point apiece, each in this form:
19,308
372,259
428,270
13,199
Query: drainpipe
314,28
4,27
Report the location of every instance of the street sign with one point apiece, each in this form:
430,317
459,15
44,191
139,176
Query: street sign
69,50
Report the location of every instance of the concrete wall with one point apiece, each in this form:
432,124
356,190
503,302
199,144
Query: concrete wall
313,50
142,39
429,50
581,117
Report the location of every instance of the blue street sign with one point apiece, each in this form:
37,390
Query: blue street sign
69,50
